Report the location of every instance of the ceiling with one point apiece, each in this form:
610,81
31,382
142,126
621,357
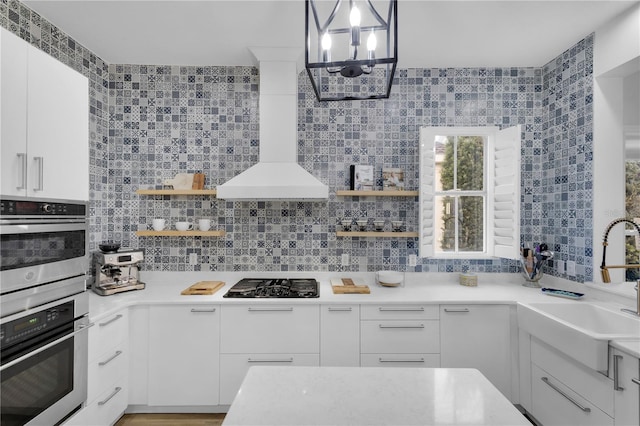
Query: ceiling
430,33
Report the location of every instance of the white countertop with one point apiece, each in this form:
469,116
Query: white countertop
369,396
433,288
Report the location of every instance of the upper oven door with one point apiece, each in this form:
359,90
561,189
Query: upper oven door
34,252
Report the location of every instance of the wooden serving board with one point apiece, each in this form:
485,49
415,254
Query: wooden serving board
203,288
347,286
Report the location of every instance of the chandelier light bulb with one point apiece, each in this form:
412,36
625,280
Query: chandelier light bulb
372,43
326,48
326,41
354,17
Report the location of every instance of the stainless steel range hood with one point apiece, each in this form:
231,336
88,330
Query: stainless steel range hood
277,176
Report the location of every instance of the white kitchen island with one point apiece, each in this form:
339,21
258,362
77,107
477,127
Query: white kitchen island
369,396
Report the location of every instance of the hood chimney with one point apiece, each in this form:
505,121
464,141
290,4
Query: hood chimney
277,175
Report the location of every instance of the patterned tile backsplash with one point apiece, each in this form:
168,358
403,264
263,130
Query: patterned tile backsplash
150,122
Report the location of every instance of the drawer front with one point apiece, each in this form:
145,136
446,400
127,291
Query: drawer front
234,367
593,386
108,332
400,336
107,369
400,360
270,329
374,312
556,404
108,407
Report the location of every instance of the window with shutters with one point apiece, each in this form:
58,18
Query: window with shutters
469,192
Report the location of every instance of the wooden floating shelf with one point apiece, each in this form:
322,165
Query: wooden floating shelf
376,234
180,233
176,191
377,193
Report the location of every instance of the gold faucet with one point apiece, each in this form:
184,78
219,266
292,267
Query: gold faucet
604,269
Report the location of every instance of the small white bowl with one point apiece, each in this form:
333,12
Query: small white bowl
389,278
346,224
397,225
378,224
362,224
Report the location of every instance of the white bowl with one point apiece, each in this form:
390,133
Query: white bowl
389,278
362,224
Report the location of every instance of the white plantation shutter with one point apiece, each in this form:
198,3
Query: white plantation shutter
504,205
427,189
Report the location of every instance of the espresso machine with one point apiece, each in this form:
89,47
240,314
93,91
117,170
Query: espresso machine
117,272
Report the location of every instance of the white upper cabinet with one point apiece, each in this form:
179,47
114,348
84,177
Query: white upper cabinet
44,124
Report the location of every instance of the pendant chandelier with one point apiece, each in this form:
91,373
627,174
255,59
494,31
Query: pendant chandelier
351,48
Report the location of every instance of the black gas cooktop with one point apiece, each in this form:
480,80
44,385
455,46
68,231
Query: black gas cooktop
274,288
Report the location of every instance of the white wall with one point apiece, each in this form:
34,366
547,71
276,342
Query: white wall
616,55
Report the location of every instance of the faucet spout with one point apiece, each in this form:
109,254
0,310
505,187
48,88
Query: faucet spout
604,269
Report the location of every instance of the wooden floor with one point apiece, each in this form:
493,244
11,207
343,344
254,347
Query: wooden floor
171,420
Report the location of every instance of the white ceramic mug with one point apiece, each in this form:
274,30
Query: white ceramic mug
159,224
183,226
204,224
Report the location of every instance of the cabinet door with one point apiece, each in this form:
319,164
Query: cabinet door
627,396
234,367
270,328
13,113
340,335
58,129
478,336
554,403
184,355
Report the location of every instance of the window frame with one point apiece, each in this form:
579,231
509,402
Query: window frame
501,237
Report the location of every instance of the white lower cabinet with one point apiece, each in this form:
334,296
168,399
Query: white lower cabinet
400,336
554,403
233,368
478,336
340,335
625,373
108,381
564,392
265,334
184,355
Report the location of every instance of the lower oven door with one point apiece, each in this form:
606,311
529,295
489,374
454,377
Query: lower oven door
44,384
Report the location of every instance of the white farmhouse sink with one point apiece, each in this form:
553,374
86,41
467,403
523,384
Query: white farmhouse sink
578,329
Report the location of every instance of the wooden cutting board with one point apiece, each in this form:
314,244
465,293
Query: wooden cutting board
347,286
203,288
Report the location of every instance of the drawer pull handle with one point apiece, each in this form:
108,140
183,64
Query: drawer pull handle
401,360
616,370
203,310
401,326
114,393
270,360
636,381
421,309
116,318
40,180
340,309
114,356
271,309
573,401
462,310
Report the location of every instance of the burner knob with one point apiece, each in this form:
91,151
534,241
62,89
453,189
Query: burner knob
47,208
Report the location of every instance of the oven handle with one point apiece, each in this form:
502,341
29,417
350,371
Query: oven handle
60,225
81,328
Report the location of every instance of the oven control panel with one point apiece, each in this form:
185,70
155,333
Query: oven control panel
40,208
24,328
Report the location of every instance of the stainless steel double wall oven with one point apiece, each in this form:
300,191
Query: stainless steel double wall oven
44,310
